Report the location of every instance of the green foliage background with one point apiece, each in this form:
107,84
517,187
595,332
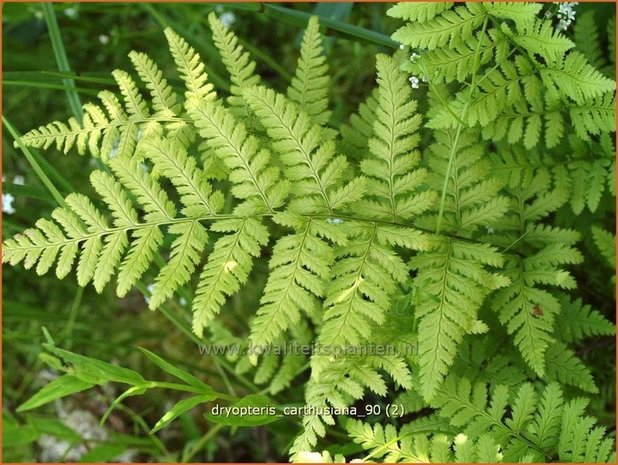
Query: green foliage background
97,38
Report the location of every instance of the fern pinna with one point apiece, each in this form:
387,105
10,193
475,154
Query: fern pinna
372,236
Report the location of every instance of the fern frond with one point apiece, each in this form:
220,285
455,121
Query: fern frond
529,427
606,242
236,60
256,182
100,246
300,265
163,96
363,281
582,441
184,257
441,30
455,283
311,164
393,174
356,134
418,11
411,446
191,182
565,367
526,307
578,321
227,268
190,67
309,86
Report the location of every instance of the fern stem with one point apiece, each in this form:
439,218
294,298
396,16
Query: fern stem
459,128
62,60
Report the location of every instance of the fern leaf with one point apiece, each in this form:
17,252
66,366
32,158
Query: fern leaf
312,165
564,366
237,62
606,242
309,87
393,179
456,282
578,321
442,30
257,182
299,267
189,180
227,268
190,67
418,11
163,96
184,257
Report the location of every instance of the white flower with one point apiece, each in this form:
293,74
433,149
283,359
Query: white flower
309,457
415,56
182,301
490,230
18,180
401,46
150,288
334,221
228,18
7,204
414,81
71,12
565,15
104,39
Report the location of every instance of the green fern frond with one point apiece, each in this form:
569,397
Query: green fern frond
190,68
236,60
299,267
410,446
163,96
530,427
565,367
311,164
309,87
100,246
227,268
356,134
606,242
418,11
579,321
439,30
393,179
256,182
456,283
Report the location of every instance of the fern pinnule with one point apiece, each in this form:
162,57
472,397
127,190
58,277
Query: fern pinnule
310,162
393,172
237,61
309,87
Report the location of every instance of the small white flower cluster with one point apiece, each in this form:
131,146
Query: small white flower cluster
150,288
71,12
8,199
414,82
566,15
228,18
334,221
104,39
